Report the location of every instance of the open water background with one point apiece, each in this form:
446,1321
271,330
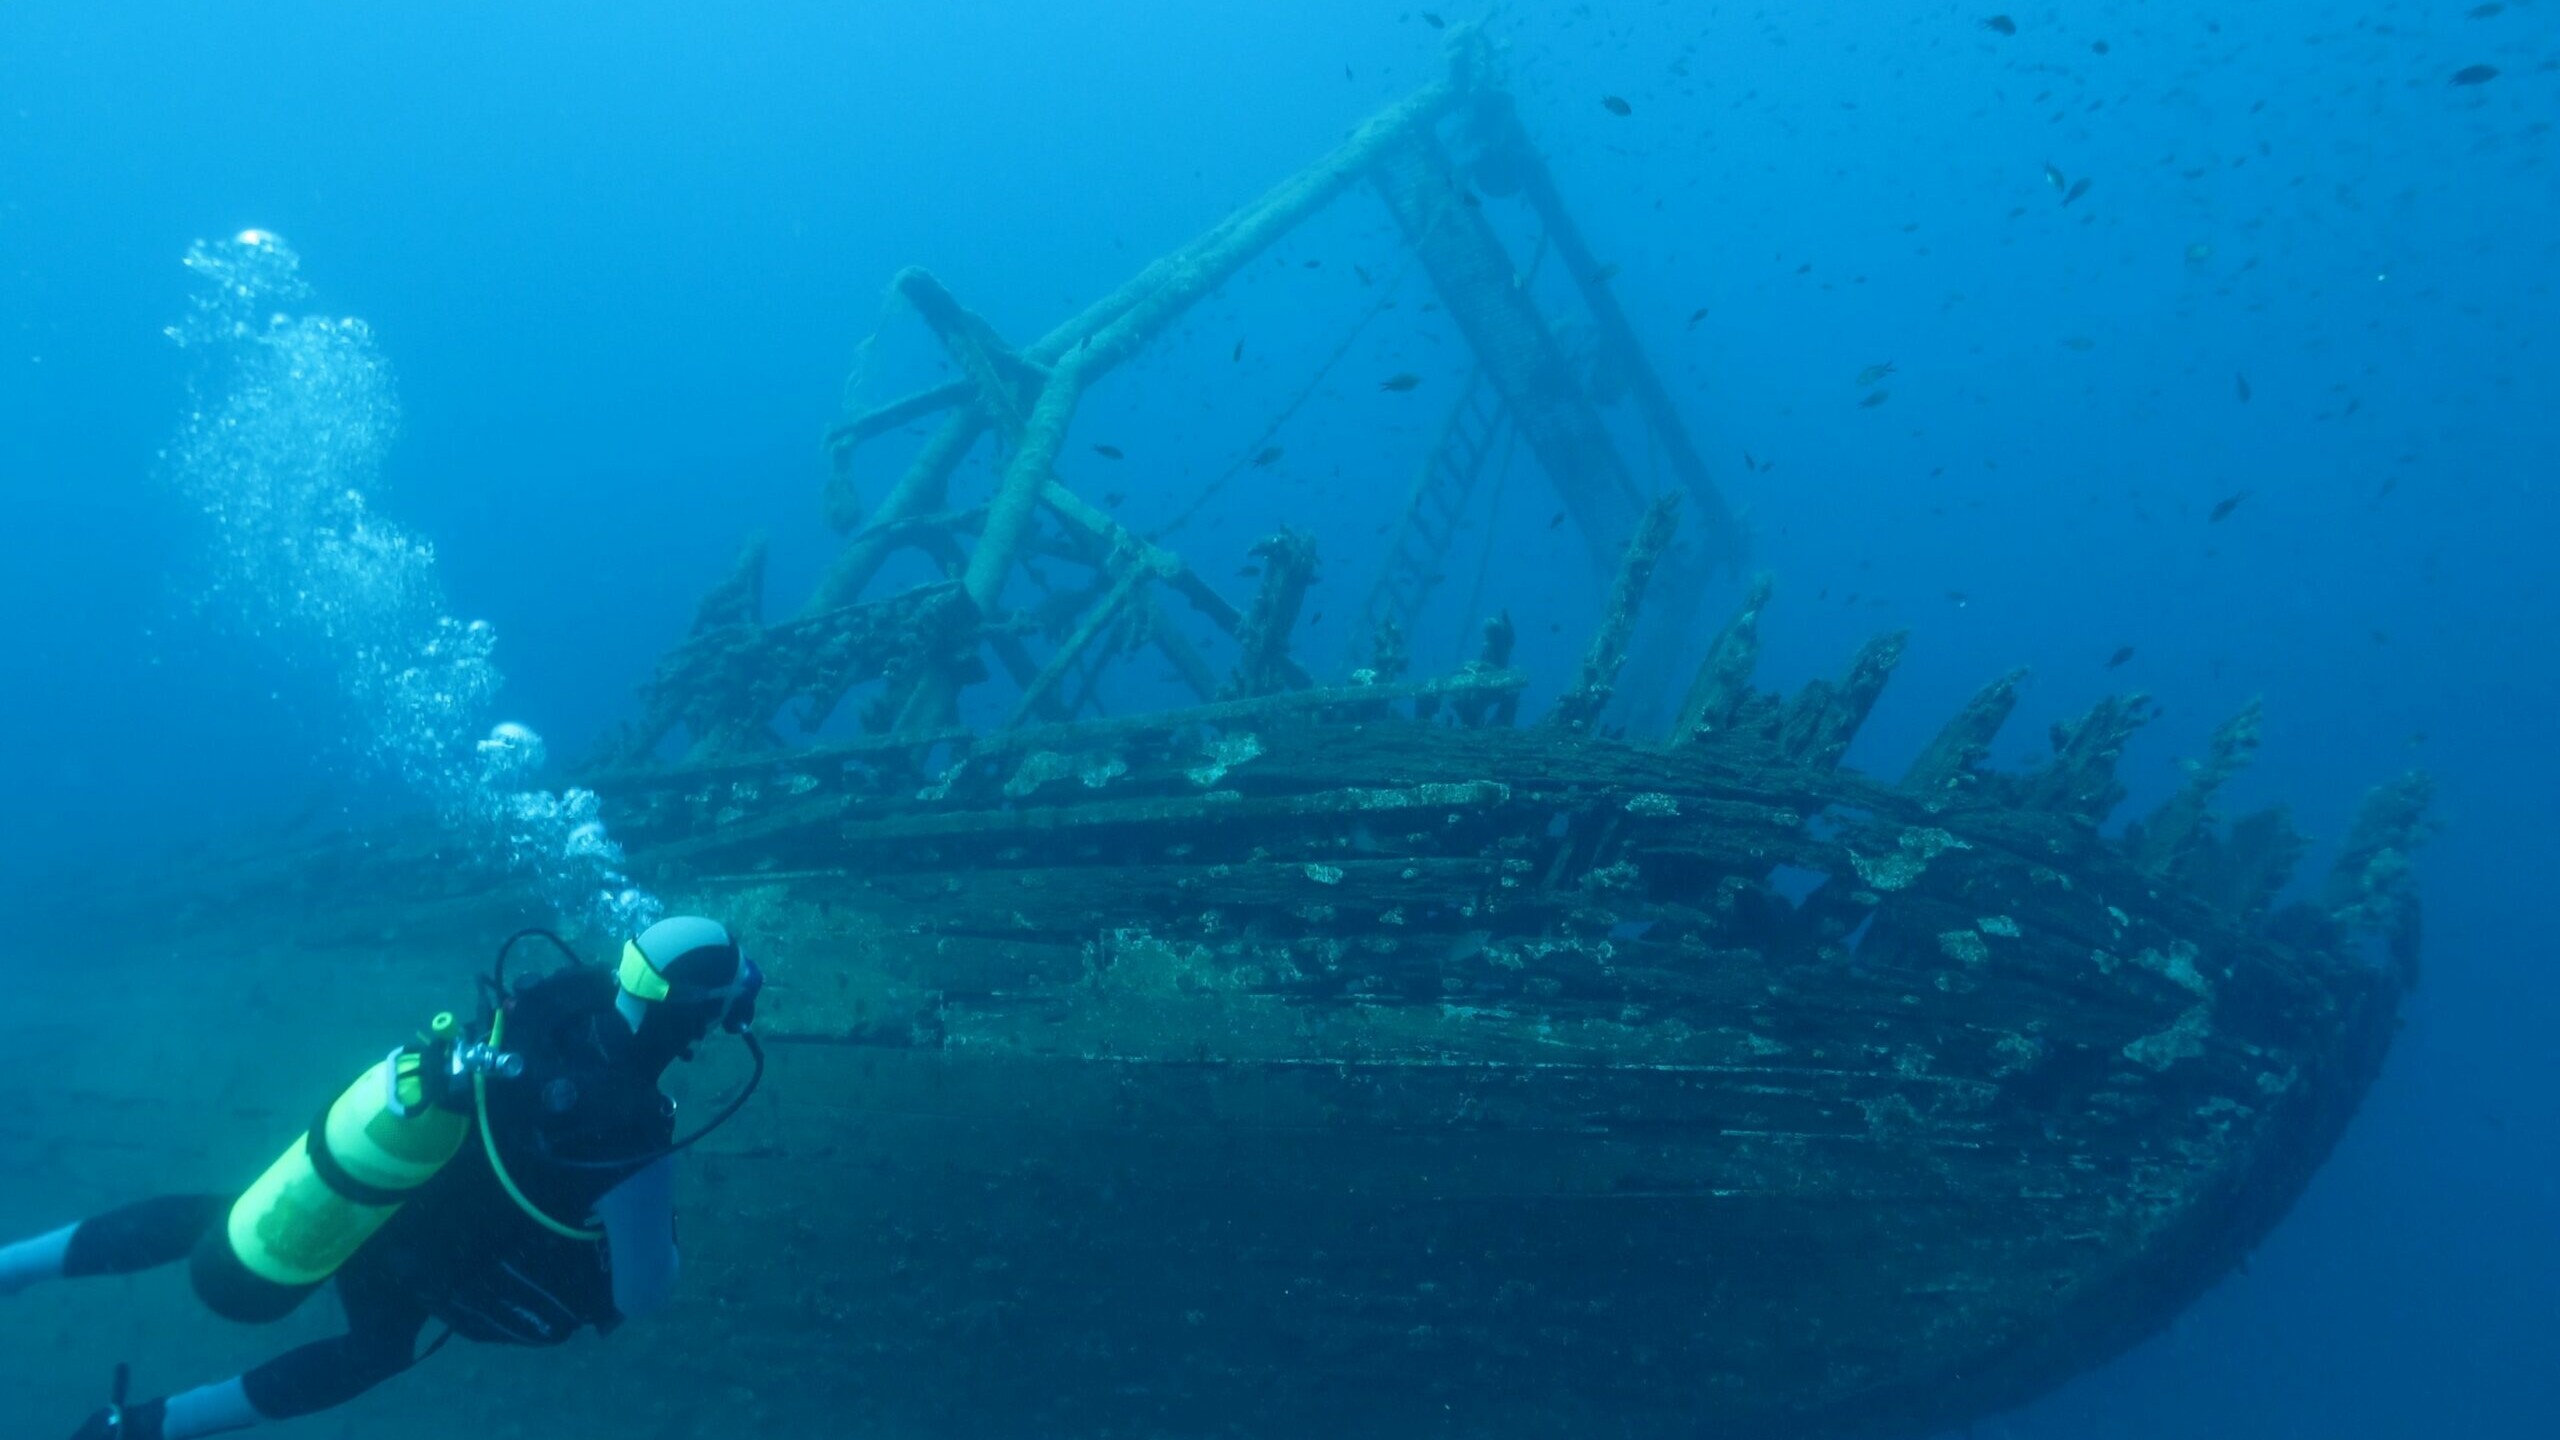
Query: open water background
623,258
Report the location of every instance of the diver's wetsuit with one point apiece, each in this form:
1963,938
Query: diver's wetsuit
461,1251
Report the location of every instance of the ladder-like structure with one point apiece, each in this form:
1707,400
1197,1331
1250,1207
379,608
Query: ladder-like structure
1516,348
1418,555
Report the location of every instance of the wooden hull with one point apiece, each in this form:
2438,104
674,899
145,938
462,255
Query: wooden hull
1344,1087
1401,1079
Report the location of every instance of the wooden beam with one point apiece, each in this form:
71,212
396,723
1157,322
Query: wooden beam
1580,707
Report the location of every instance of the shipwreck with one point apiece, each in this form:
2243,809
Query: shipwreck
1354,1048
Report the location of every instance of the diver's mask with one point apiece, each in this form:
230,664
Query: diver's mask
730,1005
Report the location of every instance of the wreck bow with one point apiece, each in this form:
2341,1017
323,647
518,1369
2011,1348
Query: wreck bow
1361,1055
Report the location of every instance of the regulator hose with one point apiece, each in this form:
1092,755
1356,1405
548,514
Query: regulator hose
489,1137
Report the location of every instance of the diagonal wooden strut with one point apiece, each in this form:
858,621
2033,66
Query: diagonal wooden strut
1430,158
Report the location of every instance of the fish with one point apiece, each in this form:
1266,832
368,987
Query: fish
2078,188
2001,25
1616,106
2222,508
1400,382
2483,12
1269,454
1748,463
2475,74
1955,597
2240,387
1248,571
1697,315
1362,272
1113,498
1874,399
1108,452
2123,653
1874,373
1606,273
1238,352
1434,21
2098,47
1555,520
2054,178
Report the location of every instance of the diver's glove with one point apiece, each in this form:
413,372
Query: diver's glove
138,1421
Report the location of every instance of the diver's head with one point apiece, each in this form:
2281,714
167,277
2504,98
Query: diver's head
681,978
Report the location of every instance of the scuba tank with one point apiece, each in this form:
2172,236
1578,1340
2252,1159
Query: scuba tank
382,1138
398,1125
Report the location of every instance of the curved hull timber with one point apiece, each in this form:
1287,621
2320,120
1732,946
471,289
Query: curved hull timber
1347,1059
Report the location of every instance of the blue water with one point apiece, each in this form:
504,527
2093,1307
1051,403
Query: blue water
623,258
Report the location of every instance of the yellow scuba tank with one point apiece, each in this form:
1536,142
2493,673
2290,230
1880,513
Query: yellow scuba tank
385,1136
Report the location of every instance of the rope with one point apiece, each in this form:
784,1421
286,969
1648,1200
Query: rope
1492,532
1385,302
860,375
1288,412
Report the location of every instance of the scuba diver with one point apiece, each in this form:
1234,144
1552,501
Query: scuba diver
514,1187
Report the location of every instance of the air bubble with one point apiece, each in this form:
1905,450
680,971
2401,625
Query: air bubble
291,419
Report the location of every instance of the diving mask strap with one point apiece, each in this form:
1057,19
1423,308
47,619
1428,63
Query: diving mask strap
638,975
